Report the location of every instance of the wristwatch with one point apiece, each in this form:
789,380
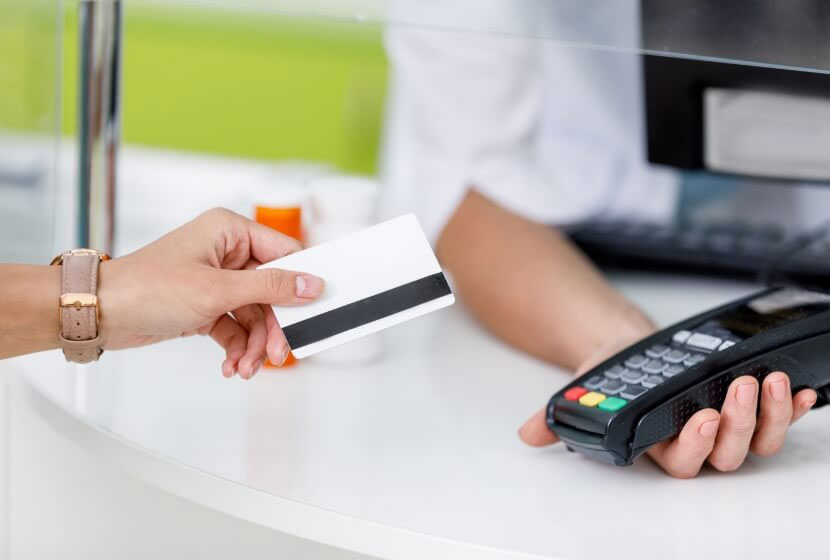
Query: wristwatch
79,314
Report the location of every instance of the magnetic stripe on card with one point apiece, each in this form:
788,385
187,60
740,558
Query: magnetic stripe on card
366,310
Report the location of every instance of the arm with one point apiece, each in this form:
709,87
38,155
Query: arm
536,291
474,106
198,279
29,300
531,287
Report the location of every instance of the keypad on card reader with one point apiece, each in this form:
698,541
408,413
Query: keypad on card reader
694,359
636,361
612,387
657,351
615,372
676,356
654,367
652,381
594,382
634,376
638,373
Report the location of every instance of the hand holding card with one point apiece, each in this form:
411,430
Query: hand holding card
375,278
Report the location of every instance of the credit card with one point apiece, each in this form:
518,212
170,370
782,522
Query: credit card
375,278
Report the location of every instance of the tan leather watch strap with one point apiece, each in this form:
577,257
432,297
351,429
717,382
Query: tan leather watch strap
80,338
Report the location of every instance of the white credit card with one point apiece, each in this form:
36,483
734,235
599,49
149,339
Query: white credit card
375,278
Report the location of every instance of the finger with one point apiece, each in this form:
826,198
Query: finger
269,285
535,431
683,456
236,239
776,414
252,318
266,244
737,425
803,402
276,345
252,264
233,338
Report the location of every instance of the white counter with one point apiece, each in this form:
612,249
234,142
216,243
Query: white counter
417,455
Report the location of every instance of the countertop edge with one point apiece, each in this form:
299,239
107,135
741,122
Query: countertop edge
304,521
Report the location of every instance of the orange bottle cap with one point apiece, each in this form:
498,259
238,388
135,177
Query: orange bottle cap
285,220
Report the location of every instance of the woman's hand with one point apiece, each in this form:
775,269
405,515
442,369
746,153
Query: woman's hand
721,438
199,279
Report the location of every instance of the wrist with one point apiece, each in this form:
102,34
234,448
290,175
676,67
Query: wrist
46,333
635,325
618,331
109,302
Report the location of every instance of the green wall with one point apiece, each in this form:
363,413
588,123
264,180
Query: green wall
28,65
246,84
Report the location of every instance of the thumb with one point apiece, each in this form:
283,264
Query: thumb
535,431
272,286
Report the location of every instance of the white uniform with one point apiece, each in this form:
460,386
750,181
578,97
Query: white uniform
552,132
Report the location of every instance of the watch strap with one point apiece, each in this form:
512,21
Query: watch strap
79,307
82,351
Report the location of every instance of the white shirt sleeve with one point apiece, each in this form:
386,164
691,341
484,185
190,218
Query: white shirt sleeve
463,111
467,109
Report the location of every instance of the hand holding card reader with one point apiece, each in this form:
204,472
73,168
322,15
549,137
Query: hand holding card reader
646,393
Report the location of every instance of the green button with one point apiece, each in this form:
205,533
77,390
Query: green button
612,404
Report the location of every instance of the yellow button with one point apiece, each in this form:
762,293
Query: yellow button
591,399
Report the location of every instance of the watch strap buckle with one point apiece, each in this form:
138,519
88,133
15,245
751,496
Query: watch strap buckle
79,300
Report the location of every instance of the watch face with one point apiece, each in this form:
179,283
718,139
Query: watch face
773,310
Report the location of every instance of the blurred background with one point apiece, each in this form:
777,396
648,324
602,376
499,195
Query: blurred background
240,104
252,84
29,126
197,79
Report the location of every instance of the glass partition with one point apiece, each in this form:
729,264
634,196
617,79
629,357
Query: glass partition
708,104
29,117
791,34
310,81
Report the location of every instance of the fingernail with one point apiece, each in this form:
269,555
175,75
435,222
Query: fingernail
228,366
746,394
284,356
309,286
778,390
809,403
256,368
708,429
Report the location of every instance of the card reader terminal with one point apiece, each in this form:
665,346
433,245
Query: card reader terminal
646,393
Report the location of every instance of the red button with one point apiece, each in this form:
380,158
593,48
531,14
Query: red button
574,393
